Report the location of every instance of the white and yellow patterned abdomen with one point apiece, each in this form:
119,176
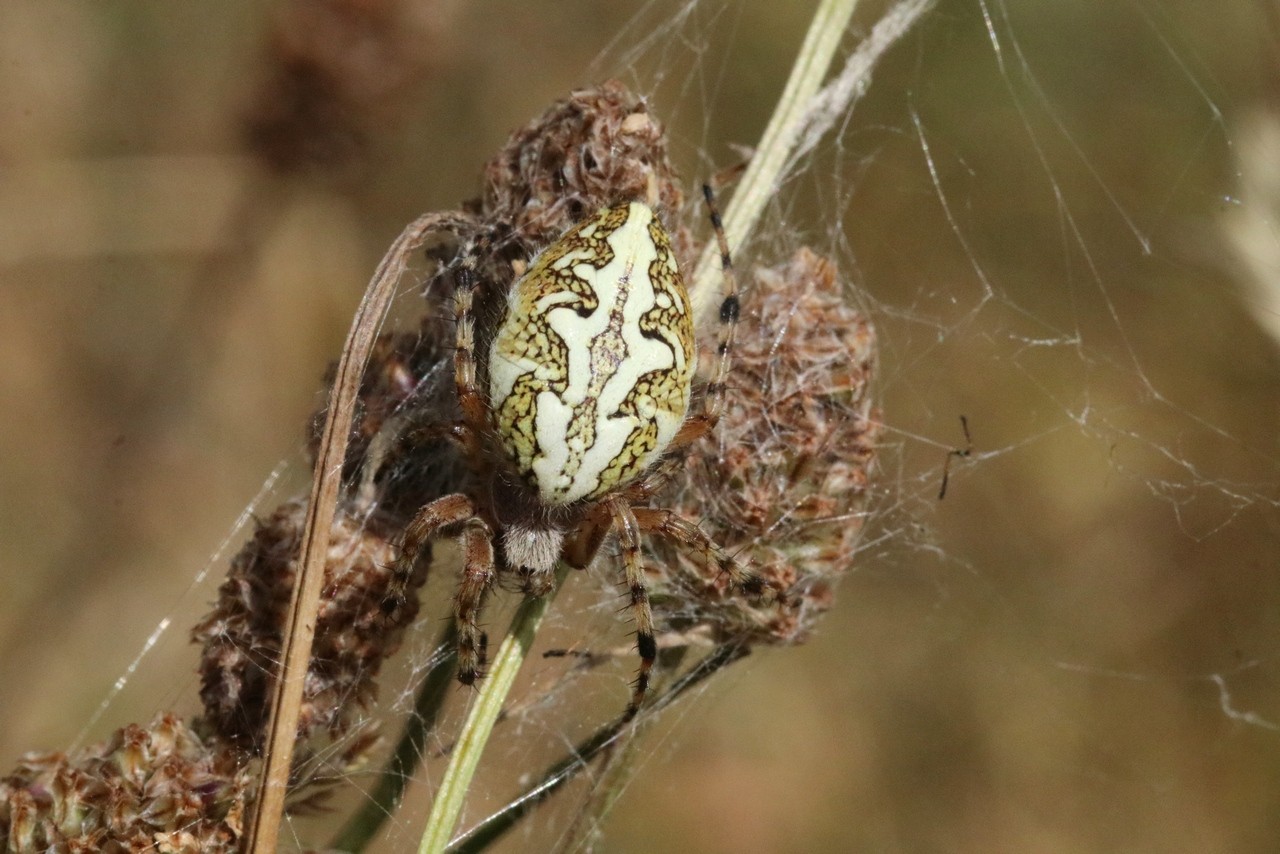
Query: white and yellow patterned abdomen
591,370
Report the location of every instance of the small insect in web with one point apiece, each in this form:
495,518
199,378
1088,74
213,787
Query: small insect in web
569,409
953,454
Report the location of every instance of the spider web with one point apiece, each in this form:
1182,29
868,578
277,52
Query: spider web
1061,221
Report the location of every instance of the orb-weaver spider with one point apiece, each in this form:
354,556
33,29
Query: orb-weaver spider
589,379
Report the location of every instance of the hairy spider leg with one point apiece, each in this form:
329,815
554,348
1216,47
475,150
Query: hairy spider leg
475,411
673,526
713,398
630,522
421,530
629,537
479,568
430,523
477,579
432,520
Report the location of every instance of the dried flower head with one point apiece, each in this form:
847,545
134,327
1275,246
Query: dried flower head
784,481
596,148
154,788
241,636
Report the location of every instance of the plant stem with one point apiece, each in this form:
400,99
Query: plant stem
481,718
385,797
262,828
479,837
764,173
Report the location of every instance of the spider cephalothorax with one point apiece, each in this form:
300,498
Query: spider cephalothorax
589,379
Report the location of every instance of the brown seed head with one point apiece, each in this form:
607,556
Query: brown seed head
783,483
596,148
241,636
154,788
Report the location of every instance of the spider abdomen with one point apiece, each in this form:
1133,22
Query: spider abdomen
591,369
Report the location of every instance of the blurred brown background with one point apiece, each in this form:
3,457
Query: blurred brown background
1067,235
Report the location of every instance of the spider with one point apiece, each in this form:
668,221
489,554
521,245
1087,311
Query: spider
586,412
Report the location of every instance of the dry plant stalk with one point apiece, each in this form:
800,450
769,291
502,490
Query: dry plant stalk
788,473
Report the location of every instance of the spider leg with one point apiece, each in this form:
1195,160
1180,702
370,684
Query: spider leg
582,544
425,526
477,578
668,523
477,575
697,426
629,536
713,403
475,412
